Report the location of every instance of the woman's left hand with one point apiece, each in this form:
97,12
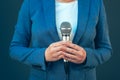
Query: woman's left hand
74,53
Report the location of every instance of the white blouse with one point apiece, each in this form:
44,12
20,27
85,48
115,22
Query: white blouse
67,12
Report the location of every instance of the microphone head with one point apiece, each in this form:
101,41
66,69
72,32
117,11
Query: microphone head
65,28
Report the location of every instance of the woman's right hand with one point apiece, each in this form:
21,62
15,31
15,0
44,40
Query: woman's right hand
55,51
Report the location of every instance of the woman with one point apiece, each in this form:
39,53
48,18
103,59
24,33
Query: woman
37,38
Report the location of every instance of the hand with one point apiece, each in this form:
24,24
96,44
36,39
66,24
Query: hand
74,53
55,51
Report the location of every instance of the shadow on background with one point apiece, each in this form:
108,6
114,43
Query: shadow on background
13,70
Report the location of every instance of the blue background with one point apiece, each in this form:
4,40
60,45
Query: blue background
13,70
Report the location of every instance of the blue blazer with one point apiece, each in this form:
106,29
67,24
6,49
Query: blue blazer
36,30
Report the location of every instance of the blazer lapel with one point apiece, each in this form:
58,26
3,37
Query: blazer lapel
49,12
83,14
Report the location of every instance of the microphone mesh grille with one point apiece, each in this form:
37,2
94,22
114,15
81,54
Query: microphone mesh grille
65,28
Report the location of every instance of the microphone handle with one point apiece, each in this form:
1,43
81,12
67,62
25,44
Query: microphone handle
66,38
66,63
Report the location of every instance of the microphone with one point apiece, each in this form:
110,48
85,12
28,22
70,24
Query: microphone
65,29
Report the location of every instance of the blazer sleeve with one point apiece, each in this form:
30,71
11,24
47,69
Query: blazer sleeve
103,49
19,47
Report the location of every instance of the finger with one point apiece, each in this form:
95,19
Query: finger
58,57
70,56
66,49
55,55
56,44
59,48
72,51
74,46
72,60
